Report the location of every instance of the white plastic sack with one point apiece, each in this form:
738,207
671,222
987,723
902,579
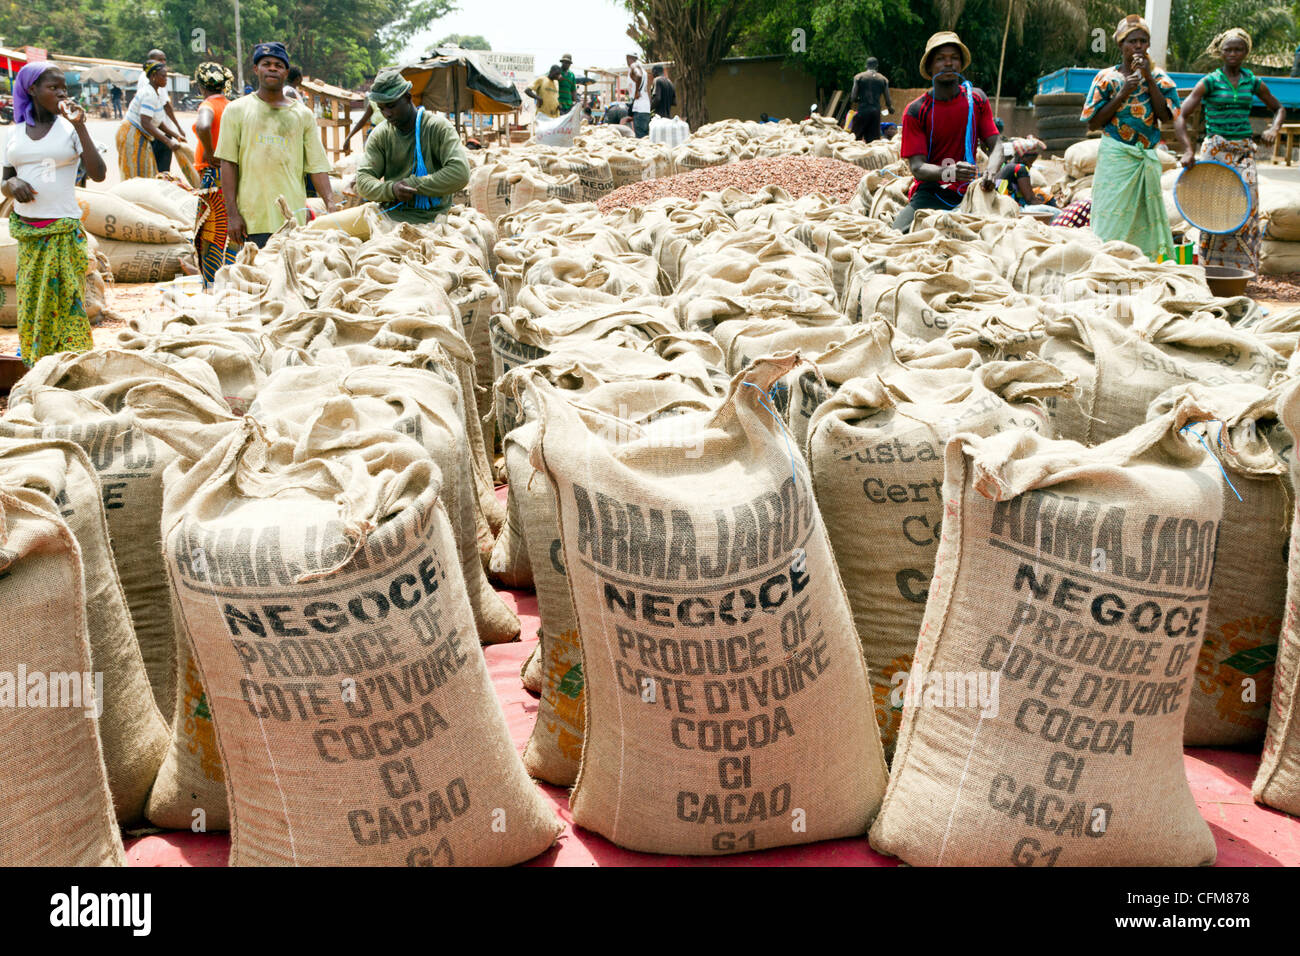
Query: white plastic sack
671,132
559,131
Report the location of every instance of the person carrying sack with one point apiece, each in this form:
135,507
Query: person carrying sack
940,131
1128,102
413,185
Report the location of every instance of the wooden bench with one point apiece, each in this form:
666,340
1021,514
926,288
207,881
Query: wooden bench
1288,135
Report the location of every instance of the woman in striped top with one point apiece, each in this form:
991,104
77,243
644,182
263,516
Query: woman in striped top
1227,94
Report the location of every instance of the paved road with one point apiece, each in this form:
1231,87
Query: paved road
104,133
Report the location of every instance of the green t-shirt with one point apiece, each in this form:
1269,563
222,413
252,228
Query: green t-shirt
274,148
390,158
1227,107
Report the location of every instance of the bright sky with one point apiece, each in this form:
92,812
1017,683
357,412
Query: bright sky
594,31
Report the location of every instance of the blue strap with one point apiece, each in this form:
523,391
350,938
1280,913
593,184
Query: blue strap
420,202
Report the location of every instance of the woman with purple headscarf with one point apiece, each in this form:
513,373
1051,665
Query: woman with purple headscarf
40,174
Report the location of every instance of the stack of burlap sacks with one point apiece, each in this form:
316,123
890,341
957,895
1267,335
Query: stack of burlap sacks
980,359
262,515
798,496
601,160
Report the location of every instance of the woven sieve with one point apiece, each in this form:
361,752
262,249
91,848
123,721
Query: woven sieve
1213,197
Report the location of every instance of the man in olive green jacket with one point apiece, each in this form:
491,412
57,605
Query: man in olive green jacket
410,187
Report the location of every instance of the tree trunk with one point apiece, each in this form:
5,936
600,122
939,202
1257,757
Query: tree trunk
690,94
997,99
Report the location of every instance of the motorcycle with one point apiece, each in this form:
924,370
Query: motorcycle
6,109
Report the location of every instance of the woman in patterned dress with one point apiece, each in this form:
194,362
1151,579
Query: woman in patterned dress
1227,94
1128,102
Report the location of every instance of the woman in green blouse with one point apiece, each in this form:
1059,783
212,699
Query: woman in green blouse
1227,94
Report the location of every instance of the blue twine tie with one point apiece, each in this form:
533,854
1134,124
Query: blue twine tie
786,434
1201,439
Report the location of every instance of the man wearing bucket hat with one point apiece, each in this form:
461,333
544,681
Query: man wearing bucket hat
268,142
941,129
412,184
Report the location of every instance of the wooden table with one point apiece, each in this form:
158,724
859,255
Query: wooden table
1290,131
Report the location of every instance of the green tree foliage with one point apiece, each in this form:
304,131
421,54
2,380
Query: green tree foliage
339,41
465,41
1044,35
1194,23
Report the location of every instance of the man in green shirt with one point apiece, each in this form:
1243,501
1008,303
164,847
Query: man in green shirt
412,187
268,142
569,83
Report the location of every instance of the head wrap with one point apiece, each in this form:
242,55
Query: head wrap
153,66
24,105
389,86
1215,48
214,76
1025,145
272,48
1128,25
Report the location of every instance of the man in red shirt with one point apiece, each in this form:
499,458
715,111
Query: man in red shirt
941,129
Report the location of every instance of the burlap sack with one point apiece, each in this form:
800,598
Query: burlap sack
870,348
163,197
875,452
1077,578
1277,783
1122,370
490,186
133,733
80,398
555,747
1234,673
145,261
657,607
408,401
363,545
530,675
595,178
110,216
56,808
240,360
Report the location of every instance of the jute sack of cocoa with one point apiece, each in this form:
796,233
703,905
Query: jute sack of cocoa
701,152
535,186
708,311
413,402
594,174
650,776
132,731
434,348
1234,673
1277,782
145,261
627,276
358,536
240,360
111,217
752,262
870,348
56,808
80,397
1122,370
555,747
490,186
163,197
1077,578
875,451
530,674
